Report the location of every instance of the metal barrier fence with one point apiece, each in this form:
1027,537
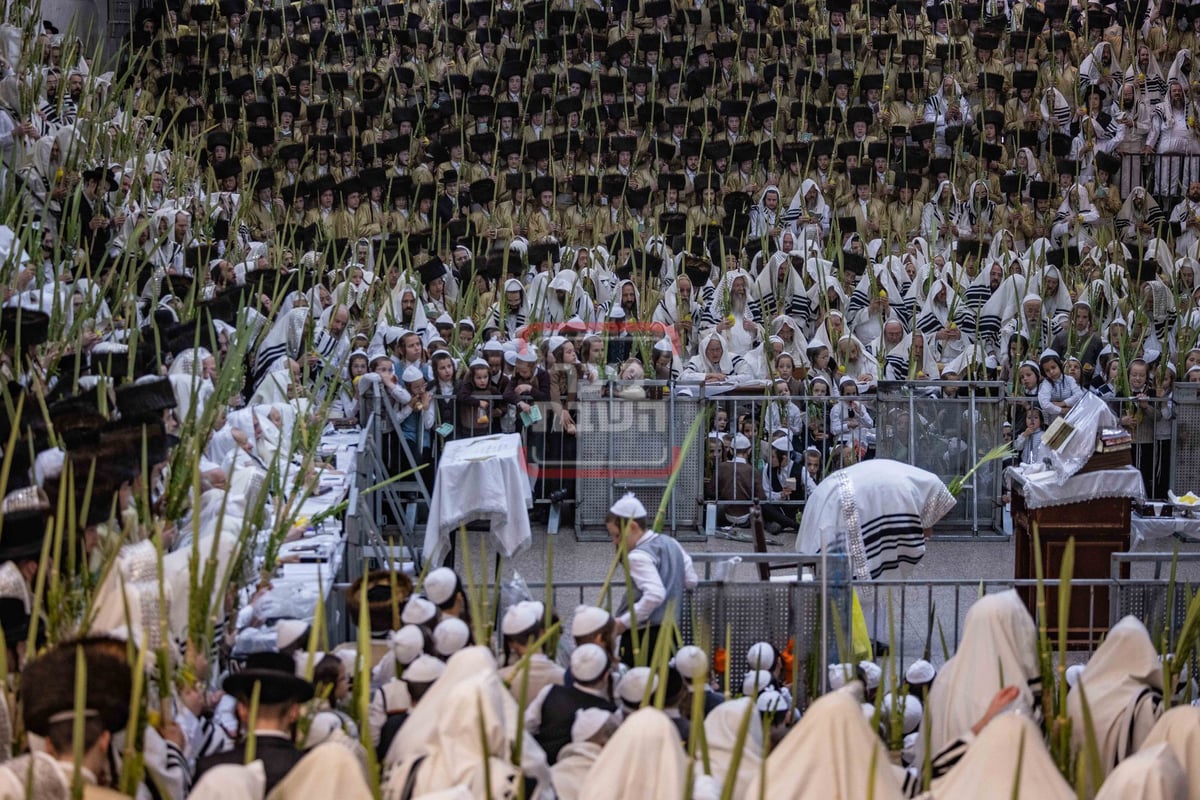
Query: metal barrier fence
629,437
1165,175
915,619
942,427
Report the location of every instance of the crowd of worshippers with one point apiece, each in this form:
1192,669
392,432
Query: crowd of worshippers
520,204
591,723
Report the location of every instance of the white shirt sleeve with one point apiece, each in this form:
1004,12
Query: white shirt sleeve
533,711
645,577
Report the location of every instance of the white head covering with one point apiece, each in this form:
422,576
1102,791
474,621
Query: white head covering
644,760
1123,681
328,770
829,754
721,728
1179,729
988,771
232,782
998,649
1153,773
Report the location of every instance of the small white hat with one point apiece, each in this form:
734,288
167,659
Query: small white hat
493,346
838,675
632,687
426,669
740,442
510,358
588,620
782,444
920,672
477,362
526,355
411,374
1073,673
871,673
691,662
588,663
407,643
418,611
616,312
288,632
588,722
760,656
771,702
440,585
755,681
555,342
450,636
519,618
912,711
628,507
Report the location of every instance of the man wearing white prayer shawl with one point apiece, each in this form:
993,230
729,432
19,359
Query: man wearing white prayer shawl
1152,774
441,739
721,729
1124,685
879,512
998,649
1008,759
644,760
1179,729
592,729
829,754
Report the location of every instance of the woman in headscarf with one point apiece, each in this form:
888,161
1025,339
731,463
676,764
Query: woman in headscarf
998,649
829,754
808,213
1124,685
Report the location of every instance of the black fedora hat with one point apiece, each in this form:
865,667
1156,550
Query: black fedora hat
276,675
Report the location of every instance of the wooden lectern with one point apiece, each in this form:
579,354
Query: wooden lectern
1100,528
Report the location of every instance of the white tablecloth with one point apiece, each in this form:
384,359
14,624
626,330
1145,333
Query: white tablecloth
1041,492
486,478
1147,528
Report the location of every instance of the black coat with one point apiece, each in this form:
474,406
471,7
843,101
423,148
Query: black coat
277,754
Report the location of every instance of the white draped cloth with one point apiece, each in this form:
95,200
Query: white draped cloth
1123,681
644,760
877,511
828,755
989,770
998,649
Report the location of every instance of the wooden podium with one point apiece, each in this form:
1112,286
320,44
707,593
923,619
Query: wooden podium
1100,528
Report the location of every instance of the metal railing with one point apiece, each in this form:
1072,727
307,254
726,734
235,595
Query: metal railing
632,441
914,619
